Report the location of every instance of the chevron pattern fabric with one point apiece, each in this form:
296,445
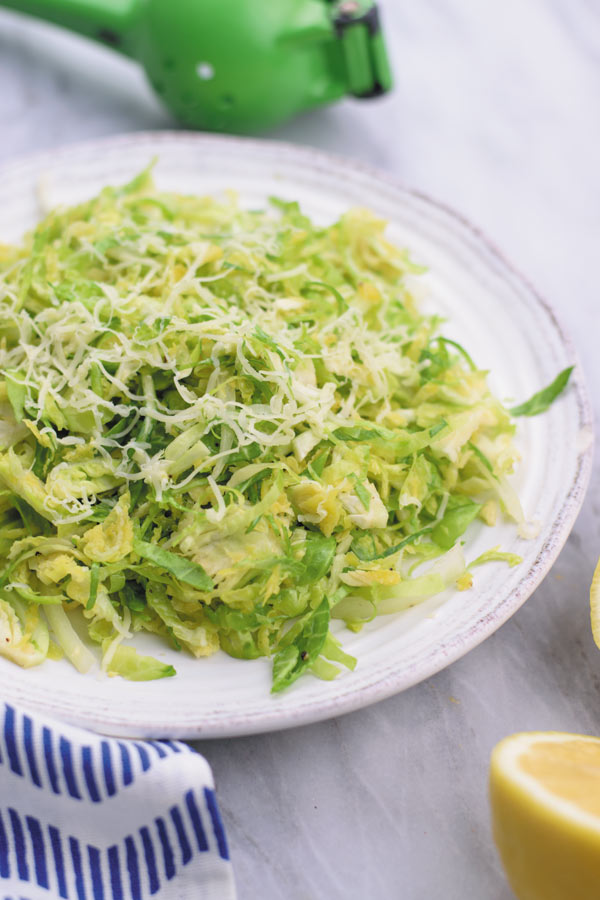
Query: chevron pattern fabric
83,817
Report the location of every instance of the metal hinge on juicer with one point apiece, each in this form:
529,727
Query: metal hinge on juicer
359,30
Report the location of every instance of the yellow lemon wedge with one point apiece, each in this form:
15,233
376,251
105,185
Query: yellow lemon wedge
545,798
595,604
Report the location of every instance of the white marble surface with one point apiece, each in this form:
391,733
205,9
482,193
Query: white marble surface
497,112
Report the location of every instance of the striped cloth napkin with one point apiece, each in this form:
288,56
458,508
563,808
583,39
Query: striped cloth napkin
85,817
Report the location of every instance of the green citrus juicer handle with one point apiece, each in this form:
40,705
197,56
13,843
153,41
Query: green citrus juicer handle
237,65
107,21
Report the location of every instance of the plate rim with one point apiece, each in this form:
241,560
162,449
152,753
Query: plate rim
383,687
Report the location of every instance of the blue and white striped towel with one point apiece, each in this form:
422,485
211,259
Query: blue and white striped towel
84,817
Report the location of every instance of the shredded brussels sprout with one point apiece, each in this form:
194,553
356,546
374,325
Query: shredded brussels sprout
228,427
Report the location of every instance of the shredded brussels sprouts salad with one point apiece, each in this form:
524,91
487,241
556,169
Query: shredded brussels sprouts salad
229,427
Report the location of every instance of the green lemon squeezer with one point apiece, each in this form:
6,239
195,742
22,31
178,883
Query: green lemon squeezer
237,65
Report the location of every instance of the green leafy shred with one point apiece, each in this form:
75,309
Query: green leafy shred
542,400
130,664
459,514
94,582
497,555
184,570
228,427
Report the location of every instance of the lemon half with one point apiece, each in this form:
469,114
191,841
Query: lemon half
595,605
545,797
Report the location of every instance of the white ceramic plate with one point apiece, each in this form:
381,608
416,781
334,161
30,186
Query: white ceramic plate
497,315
